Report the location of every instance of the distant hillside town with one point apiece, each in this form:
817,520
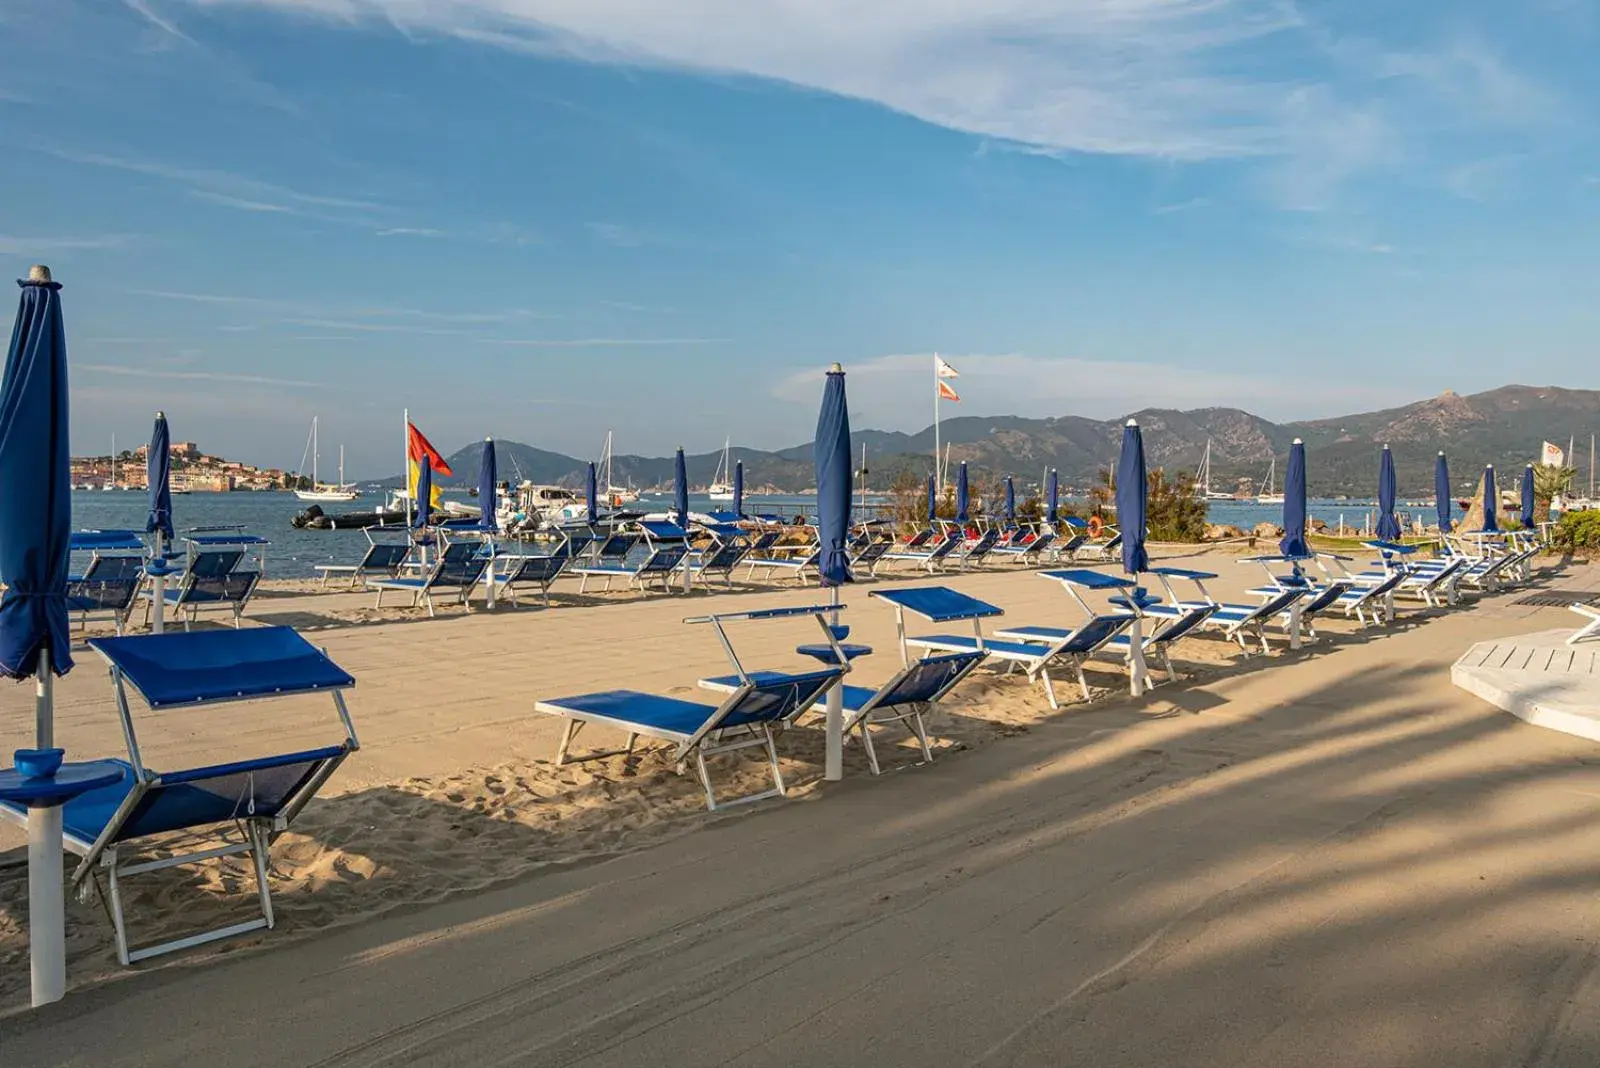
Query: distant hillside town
192,472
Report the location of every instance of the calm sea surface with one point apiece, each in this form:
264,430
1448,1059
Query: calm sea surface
294,553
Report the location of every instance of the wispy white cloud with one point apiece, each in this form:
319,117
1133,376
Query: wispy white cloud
1192,204
1322,100
242,203
618,234
601,342
410,231
233,190
159,21
193,376
12,245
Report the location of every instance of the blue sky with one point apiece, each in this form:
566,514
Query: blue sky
540,219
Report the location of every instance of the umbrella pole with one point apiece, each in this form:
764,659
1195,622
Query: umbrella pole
833,760
47,933
158,586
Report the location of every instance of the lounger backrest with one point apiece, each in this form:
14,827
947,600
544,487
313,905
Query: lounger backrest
234,588
1074,543
1324,597
985,543
114,568
1181,625
872,552
951,540
576,545
459,566
772,700
1115,542
1389,583
538,569
665,558
1278,602
1040,543
765,541
212,563
919,539
725,557
384,557
101,595
616,548
1095,633
927,680
221,793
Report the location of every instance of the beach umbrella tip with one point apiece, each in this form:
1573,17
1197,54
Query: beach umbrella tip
39,273
1133,422
1297,441
836,369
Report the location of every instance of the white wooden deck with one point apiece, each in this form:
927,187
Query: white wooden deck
1538,678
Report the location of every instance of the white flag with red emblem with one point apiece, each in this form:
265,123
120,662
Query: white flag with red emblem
1551,455
944,370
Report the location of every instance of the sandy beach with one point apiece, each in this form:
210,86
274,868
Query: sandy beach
1325,857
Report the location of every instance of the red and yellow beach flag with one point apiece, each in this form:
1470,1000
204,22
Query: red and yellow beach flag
947,393
420,450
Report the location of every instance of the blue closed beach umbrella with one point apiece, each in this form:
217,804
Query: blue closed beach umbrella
933,502
1388,525
35,545
1011,499
424,501
488,487
738,488
1132,491
1294,504
680,489
1491,502
963,500
592,495
1441,492
1052,495
834,475
158,476
36,521
1527,497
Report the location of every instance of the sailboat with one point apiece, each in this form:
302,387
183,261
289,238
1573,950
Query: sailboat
341,491
617,495
1202,480
111,485
1270,497
721,488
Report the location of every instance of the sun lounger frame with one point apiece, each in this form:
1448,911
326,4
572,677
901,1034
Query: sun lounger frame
106,857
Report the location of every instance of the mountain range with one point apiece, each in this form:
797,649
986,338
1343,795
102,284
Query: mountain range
1502,426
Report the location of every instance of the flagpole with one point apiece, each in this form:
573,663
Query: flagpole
405,459
938,471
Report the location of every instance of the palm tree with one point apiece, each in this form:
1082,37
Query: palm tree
1549,482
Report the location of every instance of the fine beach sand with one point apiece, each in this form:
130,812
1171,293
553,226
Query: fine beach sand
1275,815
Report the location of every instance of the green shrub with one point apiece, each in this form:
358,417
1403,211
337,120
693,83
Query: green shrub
1577,531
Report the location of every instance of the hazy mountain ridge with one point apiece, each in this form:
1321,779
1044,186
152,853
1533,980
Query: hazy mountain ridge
1504,426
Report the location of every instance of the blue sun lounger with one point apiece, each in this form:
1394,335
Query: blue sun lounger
110,582
929,559
940,604
905,698
383,559
663,559
747,717
215,577
221,810
458,569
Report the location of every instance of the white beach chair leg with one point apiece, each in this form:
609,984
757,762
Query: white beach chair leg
866,744
259,844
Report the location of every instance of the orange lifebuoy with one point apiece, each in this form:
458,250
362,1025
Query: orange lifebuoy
1095,526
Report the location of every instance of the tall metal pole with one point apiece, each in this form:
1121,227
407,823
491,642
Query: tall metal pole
405,459
938,469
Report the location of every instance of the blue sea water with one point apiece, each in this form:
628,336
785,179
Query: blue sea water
294,553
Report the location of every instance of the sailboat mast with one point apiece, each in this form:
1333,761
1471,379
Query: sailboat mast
315,448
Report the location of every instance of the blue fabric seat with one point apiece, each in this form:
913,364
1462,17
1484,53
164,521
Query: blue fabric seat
458,569
658,566
905,698
746,718
382,559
